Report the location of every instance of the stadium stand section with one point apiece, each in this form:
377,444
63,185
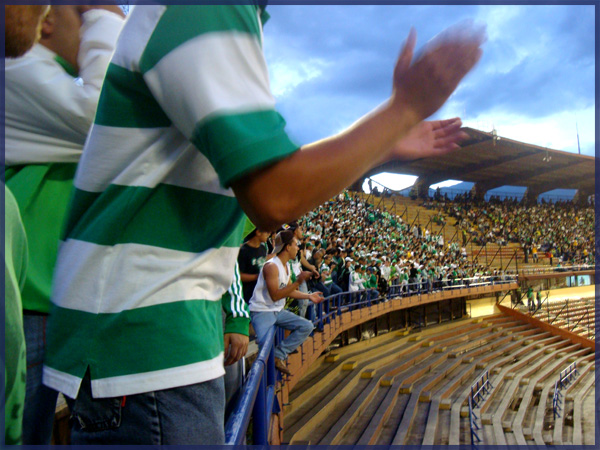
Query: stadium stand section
403,380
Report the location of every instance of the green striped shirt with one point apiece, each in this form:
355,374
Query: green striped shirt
154,230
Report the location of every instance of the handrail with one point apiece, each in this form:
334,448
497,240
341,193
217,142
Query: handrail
258,380
586,315
494,258
566,305
563,379
481,388
514,256
556,399
473,425
568,373
545,270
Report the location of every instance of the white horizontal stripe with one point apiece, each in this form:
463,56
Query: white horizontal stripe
27,147
139,26
61,381
151,156
212,73
137,383
159,379
110,279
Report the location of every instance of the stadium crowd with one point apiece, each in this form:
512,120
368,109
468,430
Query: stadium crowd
356,246
561,231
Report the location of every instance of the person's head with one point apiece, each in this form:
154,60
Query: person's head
22,28
261,236
60,32
295,227
318,255
286,242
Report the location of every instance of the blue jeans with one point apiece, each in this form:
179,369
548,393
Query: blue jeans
320,287
303,303
187,415
233,380
334,289
40,400
301,328
303,306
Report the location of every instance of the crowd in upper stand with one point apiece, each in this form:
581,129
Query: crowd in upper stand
355,245
562,231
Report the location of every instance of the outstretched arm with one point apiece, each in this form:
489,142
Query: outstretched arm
315,297
322,169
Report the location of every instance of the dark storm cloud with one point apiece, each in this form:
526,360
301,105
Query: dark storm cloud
360,45
556,45
539,60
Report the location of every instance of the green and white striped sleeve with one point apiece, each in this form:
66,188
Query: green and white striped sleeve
236,309
205,67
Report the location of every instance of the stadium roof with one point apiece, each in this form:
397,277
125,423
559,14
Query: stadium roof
491,161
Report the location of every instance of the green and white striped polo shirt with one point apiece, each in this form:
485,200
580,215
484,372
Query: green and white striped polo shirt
154,231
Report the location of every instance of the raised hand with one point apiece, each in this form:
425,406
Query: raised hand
430,138
422,86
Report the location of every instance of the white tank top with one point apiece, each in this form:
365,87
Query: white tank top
261,300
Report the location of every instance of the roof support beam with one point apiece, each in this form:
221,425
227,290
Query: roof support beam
421,187
520,178
460,172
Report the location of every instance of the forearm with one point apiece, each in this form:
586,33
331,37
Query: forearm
306,264
298,295
285,292
246,277
322,169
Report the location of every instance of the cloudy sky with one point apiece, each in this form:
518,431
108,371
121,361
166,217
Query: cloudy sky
535,82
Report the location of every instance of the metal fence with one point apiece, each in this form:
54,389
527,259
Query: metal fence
564,379
479,390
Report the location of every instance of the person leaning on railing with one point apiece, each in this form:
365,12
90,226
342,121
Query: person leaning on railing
267,303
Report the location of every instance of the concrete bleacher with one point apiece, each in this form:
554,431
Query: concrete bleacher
411,388
576,315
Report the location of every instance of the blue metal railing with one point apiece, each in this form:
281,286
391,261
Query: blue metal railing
556,400
257,399
473,424
567,374
564,378
479,390
257,396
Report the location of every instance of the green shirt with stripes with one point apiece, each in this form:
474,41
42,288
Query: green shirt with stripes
153,232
